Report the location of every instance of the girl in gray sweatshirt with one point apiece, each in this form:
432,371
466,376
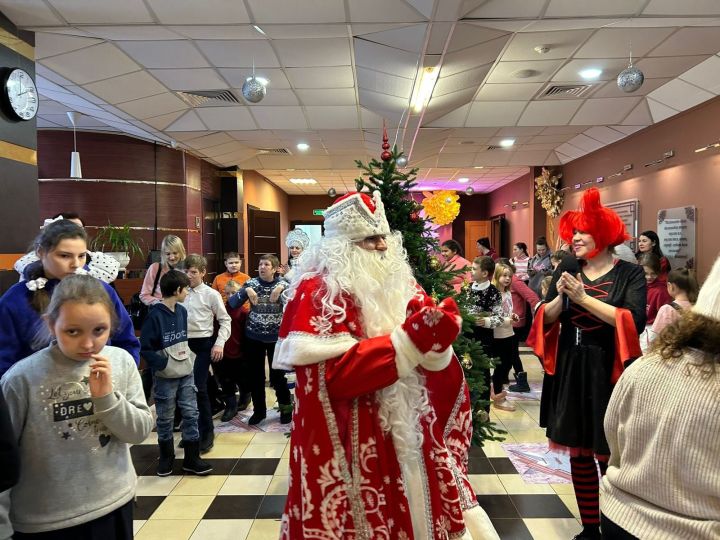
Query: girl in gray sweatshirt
76,407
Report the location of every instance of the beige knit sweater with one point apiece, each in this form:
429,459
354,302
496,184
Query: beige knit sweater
663,428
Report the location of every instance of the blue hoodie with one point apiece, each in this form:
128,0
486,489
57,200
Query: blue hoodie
20,325
164,342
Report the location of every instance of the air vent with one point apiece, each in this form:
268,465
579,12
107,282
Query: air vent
565,90
196,98
274,151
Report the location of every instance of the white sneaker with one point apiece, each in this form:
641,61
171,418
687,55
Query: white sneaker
504,405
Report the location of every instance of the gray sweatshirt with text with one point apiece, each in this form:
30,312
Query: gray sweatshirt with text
74,449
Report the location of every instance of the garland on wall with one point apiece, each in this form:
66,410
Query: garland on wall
550,197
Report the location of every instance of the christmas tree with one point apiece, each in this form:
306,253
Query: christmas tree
403,214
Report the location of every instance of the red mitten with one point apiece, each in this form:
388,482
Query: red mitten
419,300
434,329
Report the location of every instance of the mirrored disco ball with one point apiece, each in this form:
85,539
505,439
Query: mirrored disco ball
401,161
332,192
469,190
630,79
253,90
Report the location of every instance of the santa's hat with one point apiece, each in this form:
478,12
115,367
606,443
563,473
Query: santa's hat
356,216
297,237
708,302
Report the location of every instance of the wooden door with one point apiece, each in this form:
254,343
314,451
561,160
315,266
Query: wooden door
210,240
263,236
473,231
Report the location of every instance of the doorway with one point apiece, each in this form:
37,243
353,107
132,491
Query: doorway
263,236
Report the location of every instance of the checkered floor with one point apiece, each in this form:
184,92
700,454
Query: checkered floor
244,497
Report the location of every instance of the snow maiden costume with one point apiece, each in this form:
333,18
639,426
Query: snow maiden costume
296,238
584,356
359,469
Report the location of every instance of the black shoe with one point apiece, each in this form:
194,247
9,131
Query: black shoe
230,409
257,417
207,442
285,417
192,462
589,533
167,458
522,383
244,401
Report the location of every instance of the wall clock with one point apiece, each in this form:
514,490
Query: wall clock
20,94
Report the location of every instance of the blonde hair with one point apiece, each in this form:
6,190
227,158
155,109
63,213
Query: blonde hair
499,270
172,243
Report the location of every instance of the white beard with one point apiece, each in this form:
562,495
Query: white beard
382,286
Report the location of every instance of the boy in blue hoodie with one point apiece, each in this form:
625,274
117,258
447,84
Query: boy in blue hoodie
164,346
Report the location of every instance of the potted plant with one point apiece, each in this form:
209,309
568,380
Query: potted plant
118,242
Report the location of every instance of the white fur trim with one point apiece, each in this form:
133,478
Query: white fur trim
478,524
304,349
407,356
437,361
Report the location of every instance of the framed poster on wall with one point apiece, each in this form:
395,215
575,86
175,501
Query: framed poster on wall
629,213
676,230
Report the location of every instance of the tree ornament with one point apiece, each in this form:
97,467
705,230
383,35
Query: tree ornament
386,155
482,415
401,162
467,361
435,263
331,192
442,207
414,216
630,79
469,190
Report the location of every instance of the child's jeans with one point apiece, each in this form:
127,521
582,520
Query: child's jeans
168,393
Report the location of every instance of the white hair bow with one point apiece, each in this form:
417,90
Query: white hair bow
48,221
35,284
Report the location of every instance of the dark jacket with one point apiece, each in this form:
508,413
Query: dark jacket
164,341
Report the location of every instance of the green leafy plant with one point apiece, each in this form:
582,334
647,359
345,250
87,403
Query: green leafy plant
117,238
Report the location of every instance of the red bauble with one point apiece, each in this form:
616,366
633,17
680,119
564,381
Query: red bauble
414,216
385,156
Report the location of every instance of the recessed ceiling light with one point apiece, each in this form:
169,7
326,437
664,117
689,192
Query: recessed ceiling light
507,143
303,181
479,167
590,73
256,27
463,180
303,146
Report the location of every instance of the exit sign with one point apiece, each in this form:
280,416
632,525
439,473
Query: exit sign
319,212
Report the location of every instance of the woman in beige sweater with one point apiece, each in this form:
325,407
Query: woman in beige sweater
663,429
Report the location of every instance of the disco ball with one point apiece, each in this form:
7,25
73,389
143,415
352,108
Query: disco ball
469,190
401,162
630,79
253,90
331,192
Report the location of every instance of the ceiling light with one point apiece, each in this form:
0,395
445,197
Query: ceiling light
303,181
463,180
479,167
256,27
422,92
525,73
261,80
303,146
542,49
590,73
507,143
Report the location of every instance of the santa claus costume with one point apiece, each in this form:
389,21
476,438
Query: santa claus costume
382,419
585,344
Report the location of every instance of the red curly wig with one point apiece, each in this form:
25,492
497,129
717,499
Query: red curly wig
605,226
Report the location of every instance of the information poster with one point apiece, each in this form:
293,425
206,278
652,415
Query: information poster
676,230
628,212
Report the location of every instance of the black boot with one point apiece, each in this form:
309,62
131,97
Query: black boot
231,409
245,398
207,441
167,458
522,383
257,417
589,532
192,462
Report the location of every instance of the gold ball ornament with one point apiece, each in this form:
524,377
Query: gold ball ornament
482,415
466,361
435,263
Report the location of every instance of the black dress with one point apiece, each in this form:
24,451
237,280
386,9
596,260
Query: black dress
574,399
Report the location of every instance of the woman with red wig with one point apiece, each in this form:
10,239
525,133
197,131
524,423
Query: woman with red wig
585,333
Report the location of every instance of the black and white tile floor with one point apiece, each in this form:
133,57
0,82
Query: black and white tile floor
244,497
